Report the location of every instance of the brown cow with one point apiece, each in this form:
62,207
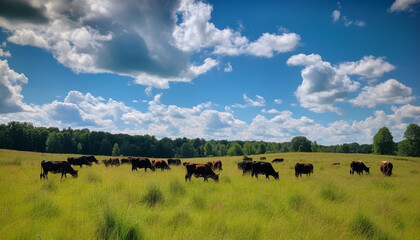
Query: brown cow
263,158
303,168
200,170
217,165
277,160
386,168
247,158
160,164
336,164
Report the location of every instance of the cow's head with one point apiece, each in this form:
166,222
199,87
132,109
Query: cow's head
74,174
276,175
367,170
216,178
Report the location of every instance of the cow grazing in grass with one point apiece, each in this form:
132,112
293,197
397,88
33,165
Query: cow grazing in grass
174,161
264,168
358,167
141,163
91,159
125,161
111,162
78,161
217,165
200,170
160,164
336,164
62,167
263,158
277,160
247,158
303,168
246,166
386,168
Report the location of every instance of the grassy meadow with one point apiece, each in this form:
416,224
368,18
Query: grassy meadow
115,203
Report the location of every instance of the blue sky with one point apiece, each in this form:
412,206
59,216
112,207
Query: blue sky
332,71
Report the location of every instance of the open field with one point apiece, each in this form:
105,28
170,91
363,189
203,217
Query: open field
117,203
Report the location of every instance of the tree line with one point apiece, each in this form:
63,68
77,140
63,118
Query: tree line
25,137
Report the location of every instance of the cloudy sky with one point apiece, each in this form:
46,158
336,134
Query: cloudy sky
332,71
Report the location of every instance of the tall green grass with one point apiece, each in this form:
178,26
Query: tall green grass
116,203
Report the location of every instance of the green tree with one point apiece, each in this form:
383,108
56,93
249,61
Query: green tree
54,143
261,148
235,150
116,150
79,148
314,146
300,144
345,148
411,145
249,148
106,147
164,148
187,150
383,143
284,148
208,149
223,150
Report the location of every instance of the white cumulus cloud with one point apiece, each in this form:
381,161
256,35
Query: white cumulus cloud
403,5
389,92
11,89
368,66
322,84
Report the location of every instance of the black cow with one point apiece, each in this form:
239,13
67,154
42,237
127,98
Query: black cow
125,161
277,160
246,166
200,170
78,161
264,168
91,159
303,168
141,163
174,161
247,158
62,167
358,167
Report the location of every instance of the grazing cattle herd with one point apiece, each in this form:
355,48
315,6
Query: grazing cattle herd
205,170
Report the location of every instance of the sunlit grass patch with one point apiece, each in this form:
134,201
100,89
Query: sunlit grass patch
43,207
17,161
332,192
114,226
153,196
362,225
116,203
176,188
